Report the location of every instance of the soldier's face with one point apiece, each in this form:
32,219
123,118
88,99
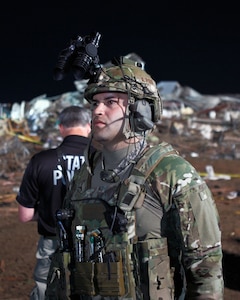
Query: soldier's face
108,117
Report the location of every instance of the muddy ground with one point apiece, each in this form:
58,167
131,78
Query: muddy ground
18,241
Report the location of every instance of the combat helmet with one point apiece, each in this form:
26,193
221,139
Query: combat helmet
127,76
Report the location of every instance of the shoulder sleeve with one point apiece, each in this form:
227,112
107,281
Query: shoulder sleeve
28,192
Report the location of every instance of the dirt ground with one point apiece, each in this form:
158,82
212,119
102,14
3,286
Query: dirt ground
18,241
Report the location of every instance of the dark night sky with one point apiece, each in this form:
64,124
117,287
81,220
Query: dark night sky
196,46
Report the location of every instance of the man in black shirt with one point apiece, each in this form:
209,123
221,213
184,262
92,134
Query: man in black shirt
44,185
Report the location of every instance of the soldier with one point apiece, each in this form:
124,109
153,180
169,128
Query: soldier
145,224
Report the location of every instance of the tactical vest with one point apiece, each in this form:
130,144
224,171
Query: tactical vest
108,259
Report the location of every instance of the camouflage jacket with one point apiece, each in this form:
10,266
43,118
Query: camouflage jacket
171,217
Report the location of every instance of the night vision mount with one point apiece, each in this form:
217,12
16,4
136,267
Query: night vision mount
81,57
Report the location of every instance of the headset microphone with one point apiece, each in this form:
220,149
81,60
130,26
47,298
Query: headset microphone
109,176
141,116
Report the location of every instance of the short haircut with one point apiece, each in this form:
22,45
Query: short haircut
73,116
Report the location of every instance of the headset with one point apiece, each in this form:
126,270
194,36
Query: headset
140,116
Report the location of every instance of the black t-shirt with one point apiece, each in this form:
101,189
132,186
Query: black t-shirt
43,184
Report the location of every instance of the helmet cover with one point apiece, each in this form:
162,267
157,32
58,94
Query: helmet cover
127,78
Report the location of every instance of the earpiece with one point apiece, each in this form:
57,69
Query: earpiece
140,116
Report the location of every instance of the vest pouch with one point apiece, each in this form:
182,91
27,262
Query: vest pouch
109,277
103,278
160,281
84,279
156,267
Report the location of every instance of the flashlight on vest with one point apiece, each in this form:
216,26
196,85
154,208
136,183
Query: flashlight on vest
80,242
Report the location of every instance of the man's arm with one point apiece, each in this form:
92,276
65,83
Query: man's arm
198,226
26,214
203,249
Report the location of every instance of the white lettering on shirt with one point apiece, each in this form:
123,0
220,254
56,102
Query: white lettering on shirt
71,164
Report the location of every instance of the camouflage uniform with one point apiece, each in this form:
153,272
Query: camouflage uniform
178,214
